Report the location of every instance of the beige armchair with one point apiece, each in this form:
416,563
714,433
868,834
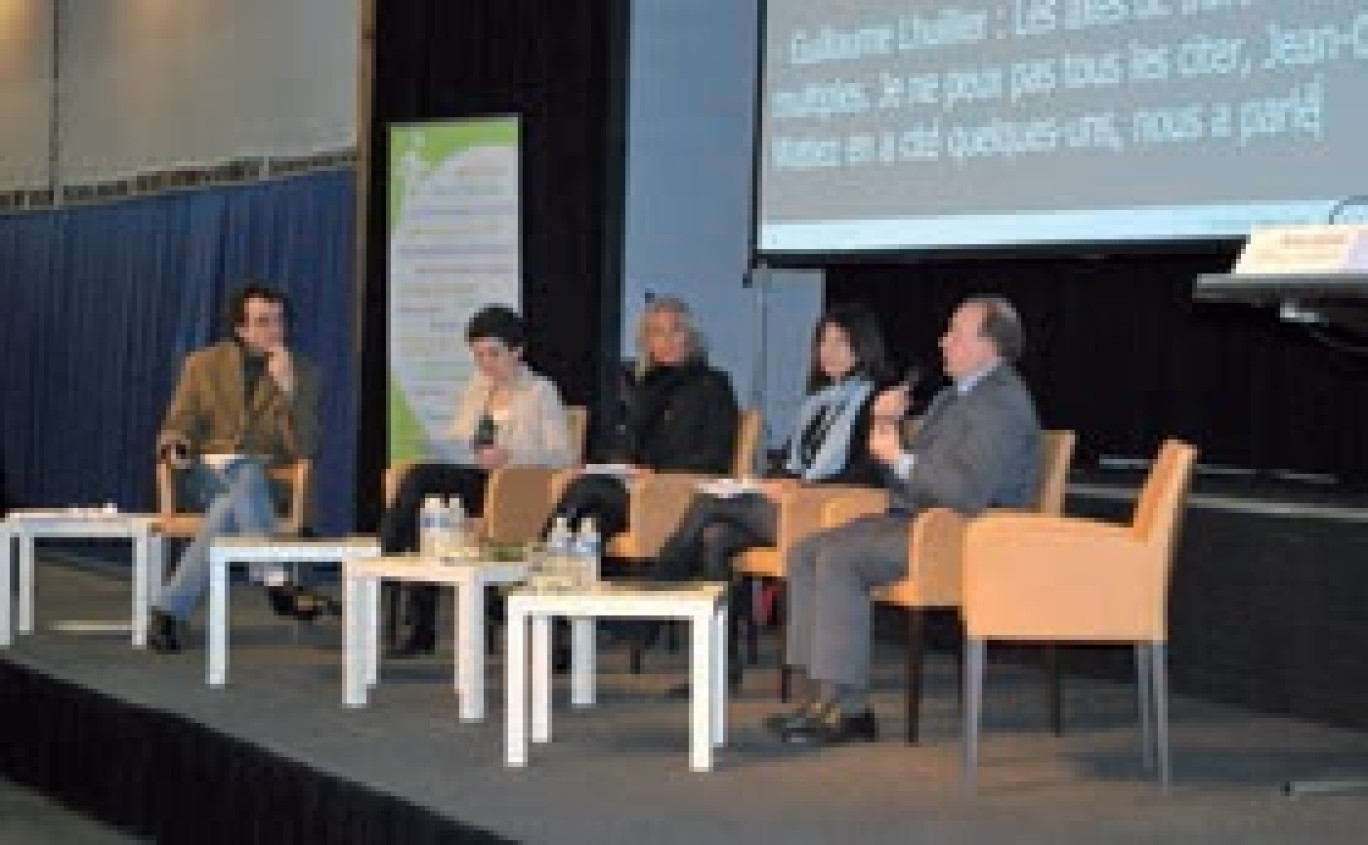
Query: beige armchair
173,521
517,499
1047,578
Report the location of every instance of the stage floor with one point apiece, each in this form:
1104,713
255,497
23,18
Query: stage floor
619,772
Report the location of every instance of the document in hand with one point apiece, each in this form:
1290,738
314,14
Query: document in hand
727,488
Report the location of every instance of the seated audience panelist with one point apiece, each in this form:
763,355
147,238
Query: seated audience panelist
829,444
682,416
507,415
240,406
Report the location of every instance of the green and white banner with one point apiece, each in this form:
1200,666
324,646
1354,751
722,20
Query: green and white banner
454,211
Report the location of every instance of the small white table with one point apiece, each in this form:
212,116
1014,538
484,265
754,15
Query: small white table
29,526
225,551
701,605
361,614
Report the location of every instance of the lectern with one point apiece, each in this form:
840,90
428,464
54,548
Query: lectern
1337,299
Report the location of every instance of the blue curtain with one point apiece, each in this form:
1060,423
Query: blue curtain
100,304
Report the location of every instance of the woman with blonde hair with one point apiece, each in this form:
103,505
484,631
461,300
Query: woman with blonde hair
682,416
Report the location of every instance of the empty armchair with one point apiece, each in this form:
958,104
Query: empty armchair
1047,578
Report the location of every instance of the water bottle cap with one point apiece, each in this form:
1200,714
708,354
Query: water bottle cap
432,501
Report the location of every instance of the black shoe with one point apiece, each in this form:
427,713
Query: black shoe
833,726
164,632
282,599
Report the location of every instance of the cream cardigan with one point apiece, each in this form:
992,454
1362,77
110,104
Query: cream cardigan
534,431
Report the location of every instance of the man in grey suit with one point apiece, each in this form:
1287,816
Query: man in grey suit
977,447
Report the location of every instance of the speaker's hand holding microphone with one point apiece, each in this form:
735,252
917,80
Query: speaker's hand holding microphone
885,435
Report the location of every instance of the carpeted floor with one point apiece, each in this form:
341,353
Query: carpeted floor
619,772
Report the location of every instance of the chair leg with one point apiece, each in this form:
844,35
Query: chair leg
634,649
1158,653
753,621
916,630
1144,704
785,676
973,700
1055,691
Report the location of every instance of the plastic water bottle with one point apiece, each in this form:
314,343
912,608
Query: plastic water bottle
457,533
431,526
586,553
558,547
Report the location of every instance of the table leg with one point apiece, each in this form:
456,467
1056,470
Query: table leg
156,567
372,617
701,636
470,647
583,661
355,660
718,694
26,543
142,553
541,678
515,688
218,619
6,586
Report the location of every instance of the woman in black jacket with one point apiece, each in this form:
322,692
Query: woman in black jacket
682,416
829,444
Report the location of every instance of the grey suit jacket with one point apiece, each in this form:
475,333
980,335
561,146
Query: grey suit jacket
211,413
974,451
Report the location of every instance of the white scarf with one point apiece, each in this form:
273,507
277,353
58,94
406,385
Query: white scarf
841,403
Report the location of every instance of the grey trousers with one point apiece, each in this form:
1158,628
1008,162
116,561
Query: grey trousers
830,575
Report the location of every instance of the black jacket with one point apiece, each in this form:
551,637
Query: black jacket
683,418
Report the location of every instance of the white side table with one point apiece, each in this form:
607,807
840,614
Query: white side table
29,526
361,615
225,551
702,606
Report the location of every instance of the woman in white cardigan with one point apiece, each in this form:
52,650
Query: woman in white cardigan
507,416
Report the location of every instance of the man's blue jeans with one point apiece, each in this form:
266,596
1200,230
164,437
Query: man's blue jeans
237,500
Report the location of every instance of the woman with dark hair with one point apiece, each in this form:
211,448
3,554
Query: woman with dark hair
829,444
683,416
506,416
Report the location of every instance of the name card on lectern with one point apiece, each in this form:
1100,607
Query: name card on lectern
1329,248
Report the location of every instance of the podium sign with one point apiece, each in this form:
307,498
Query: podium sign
1281,250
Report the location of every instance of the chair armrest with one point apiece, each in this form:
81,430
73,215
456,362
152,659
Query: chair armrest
166,490
299,476
658,502
846,503
1036,576
394,474
807,509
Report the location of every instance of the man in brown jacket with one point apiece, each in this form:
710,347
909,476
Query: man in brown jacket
240,406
